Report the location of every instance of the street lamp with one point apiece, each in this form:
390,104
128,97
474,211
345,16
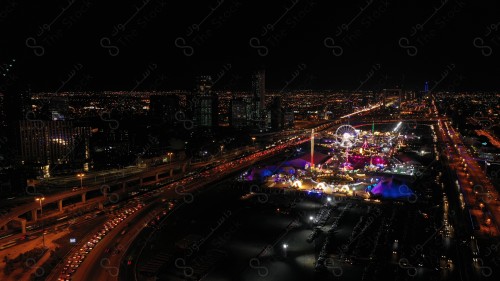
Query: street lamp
170,157
285,246
253,141
221,148
81,179
40,199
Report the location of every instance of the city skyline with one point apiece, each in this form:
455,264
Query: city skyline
284,140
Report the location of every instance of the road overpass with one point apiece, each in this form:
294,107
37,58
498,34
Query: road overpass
149,176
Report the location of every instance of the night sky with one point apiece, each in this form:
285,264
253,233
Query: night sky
302,44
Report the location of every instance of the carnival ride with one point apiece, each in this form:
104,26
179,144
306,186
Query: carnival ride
346,136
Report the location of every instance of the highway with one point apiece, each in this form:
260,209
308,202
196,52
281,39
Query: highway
378,105
92,269
126,175
479,195
477,188
101,262
15,212
470,261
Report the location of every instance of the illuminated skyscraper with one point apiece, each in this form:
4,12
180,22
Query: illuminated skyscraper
259,87
239,118
204,103
259,98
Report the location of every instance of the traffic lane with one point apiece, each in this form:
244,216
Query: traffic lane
108,268
109,263
104,266
476,171
93,261
460,220
19,238
81,231
51,218
476,176
92,176
50,221
17,211
115,259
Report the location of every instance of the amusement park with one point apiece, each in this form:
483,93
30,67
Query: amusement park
353,161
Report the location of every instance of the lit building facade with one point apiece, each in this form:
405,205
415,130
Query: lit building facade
45,143
239,118
205,105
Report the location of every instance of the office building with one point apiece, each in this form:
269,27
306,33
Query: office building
204,104
259,88
49,143
276,115
239,117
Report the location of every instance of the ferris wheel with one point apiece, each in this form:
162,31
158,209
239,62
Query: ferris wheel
346,136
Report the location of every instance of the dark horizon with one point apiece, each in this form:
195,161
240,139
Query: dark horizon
385,38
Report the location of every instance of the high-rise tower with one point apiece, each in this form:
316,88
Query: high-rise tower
204,103
259,90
